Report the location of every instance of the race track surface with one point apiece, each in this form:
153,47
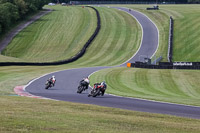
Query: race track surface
68,81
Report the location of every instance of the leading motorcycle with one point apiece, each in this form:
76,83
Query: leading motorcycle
48,84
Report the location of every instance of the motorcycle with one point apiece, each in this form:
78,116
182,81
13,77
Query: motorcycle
97,90
82,87
48,84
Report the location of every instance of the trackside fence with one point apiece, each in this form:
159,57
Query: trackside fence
167,65
170,43
74,58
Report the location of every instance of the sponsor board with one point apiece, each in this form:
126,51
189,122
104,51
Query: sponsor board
182,64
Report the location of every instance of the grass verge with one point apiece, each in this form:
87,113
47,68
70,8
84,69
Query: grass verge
175,86
19,114
118,39
186,40
56,36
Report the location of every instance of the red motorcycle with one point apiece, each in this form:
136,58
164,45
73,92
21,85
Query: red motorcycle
98,89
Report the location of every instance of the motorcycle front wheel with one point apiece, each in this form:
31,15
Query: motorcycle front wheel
80,89
47,86
96,93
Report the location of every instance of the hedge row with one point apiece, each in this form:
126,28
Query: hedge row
77,56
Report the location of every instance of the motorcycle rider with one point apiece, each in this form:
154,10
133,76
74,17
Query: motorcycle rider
52,80
103,87
85,82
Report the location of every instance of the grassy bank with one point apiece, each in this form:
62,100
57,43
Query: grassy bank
56,36
20,114
186,40
176,86
112,46
118,39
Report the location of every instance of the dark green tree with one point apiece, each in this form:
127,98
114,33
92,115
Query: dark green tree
8,14
22,7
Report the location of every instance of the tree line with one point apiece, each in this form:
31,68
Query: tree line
12,11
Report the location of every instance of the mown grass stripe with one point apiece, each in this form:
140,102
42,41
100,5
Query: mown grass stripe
102,41
55,42
113,43
164,85
38,115
118,39
98,50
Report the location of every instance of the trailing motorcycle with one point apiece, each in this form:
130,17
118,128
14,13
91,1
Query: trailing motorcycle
82,86
98,89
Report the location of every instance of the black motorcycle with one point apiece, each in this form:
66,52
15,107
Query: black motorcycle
82,86
48,84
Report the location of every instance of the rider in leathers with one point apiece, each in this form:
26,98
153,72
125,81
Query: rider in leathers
52,80
103,86
85,82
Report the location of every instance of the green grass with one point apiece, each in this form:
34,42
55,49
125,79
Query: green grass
186,37
186,25
112,46
118,39
56,36
175,86
21,114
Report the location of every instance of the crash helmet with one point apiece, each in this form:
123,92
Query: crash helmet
102,83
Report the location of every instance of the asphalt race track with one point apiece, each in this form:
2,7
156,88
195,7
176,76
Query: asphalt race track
65,89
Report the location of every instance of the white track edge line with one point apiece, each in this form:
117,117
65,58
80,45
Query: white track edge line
154,25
